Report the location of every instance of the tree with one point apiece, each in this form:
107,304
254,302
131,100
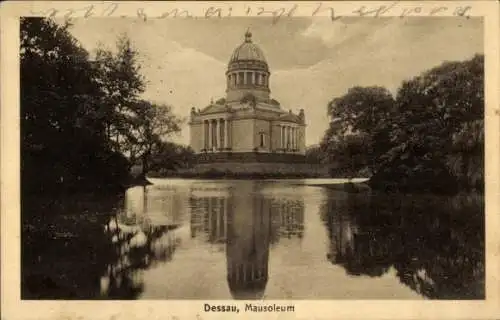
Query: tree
314,154
437,112
363,111
152,124
63,141
428,137
122,82
171,156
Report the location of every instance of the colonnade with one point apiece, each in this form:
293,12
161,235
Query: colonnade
289,137
247,78
216,133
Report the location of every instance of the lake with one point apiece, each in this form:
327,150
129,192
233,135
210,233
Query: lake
283,239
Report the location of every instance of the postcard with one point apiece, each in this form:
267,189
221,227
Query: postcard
240,160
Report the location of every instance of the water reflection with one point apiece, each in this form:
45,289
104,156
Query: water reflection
252,240
247,222
139,242
435,244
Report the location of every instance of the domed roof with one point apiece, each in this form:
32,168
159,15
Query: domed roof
248,51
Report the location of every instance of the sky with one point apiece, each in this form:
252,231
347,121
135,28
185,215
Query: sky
312,60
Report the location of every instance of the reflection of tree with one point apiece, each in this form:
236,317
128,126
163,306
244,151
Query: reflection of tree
139,245
136,248
92,252
435,244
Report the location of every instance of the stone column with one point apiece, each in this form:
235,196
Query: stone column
244,77
281,137
203,135
290,137
287,137
226,134
298,138
217,133
284,137
209,145
295,138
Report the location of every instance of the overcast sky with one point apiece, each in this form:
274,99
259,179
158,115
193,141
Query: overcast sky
311,60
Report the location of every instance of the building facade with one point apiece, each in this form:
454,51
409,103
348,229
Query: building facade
247,125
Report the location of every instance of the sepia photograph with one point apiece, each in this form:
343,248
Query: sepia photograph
241,159
212,160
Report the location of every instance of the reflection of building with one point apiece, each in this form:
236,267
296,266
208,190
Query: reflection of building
209,209
290,217
247,250
247,125
247,221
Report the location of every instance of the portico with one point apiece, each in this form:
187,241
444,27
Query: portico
216,134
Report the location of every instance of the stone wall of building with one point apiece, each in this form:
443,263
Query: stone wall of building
263,126
196,137
302,140
242,133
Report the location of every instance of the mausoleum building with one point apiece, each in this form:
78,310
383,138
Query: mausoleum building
247,125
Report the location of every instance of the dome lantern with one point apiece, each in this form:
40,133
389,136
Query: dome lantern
248,36
247,72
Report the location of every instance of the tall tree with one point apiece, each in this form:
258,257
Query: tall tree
153,123
122,82
362,111
62,133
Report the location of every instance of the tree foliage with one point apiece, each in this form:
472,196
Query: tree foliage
62,125
83,123
358,123
314,154
432,131
153,123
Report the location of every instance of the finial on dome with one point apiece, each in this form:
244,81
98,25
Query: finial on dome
248,36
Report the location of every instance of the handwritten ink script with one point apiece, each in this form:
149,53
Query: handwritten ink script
397,8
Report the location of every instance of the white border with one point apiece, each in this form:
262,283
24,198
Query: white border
13,308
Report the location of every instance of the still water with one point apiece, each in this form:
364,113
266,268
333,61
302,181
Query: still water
189,239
